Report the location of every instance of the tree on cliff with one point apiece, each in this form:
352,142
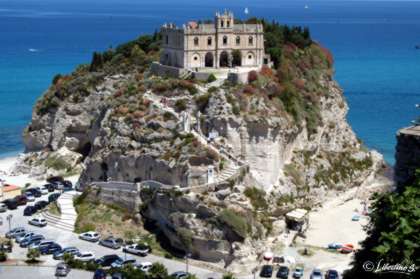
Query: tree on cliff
393,236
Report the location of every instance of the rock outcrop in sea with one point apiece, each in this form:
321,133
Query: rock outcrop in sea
278,143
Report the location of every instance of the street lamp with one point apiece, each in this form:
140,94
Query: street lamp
9,219
187,256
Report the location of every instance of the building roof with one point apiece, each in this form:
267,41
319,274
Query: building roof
10,188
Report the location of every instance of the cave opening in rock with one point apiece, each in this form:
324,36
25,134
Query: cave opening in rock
85,150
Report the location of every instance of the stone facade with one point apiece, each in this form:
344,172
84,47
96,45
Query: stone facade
213,45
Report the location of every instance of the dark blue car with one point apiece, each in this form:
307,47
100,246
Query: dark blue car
50,249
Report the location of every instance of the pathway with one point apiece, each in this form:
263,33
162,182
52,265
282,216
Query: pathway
67,219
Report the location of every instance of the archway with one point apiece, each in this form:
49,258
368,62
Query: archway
209,60
224,59
236,58
250,59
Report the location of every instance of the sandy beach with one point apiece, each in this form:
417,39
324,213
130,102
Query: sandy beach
6,165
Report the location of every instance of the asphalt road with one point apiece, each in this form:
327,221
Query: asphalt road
65,239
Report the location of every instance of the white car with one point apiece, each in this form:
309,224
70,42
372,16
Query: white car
137,249
3,207
90,236
30,197
38,221
316,274
85,256
144,266
25,236
43,190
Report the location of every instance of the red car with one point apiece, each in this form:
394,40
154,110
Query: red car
21,200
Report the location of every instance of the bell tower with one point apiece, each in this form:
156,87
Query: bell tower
224,21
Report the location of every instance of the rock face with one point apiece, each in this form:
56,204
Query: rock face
407,156
278,143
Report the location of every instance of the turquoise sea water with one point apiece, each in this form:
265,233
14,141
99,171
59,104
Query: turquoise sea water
373,44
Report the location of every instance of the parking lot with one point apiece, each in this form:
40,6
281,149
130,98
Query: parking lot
65,239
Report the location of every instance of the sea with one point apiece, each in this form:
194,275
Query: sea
373,42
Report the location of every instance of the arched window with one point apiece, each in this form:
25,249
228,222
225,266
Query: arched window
228,24
209,41
225,40
251,40
196,41
238,40
222,23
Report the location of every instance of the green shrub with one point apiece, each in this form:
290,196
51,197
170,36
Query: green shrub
3,256
211,78
202,101
257,197
234,221
181,105
33,256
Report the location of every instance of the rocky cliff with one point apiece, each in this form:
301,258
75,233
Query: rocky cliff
280,142
407,156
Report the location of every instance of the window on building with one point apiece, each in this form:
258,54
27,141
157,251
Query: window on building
167,39
251,40
238,40
209,41
196,41
225,40
195,58
222,23
249,56
228,24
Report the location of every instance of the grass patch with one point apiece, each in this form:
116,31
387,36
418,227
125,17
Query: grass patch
257,197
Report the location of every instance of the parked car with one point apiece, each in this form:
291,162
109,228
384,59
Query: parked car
283,272
99,274
29,210
33,239
356,217
123,262
38,221
334,245
90,236
27,235
298,273
85,256
137,249
3,207
16,232
11,204
111,242
53,197
61,270
41,244
55,179
40,205
49,249
107,260
67,185
44,190
67,250
21,200
316,274
29,196
50,187
117,275
332,274
266,271
179,275
144,266
34,191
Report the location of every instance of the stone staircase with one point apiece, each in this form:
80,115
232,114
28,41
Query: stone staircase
66,221
233,166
